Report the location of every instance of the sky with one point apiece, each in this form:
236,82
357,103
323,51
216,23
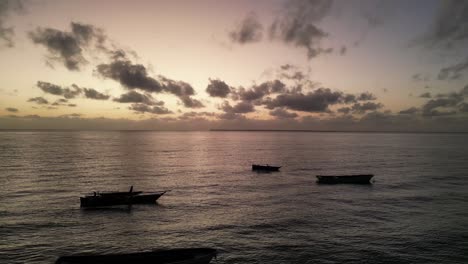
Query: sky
357,65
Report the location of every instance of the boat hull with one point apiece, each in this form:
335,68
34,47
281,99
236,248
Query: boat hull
334,179
172,256
256,167
120,199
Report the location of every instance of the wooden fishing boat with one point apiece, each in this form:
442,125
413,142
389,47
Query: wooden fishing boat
172,256
98,199
333,179
258,167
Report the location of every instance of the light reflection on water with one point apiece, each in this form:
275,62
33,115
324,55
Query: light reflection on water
415,212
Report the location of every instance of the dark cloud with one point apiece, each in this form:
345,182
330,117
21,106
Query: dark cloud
250,30
135,97
349,98
431,107
68,47
364,107
291,72
54,89
316,101
196,115
7,32
453,72
218,88
239,108
343,50
419,77
445,104
143,108
191,102
373,121
409,111
282,113
71,105
344,110
257,92
11,109
450,26
298,25
425,95
366,96
463,107
38,100
135,76
129,75
60,101
90,93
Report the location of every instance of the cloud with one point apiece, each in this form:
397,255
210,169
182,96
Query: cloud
259,91
11,109
239,108
196,115
373,121
430,108
282,113
409,111
90,93
343,50
463,107
425,95
191,102
291,72
143,108
218,88
129,75
38,100
450,26
68,47
344,110
135,97
453,72
54,89
6,8
316,101
298,25
135,76
445,104
364,107
366,96
250,30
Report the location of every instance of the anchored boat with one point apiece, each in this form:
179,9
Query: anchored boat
172,256
120,198
257,167
333,179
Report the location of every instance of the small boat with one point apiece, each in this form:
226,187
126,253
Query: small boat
332,179
172,256
257,167
120,198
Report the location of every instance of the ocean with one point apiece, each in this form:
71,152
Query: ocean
415,211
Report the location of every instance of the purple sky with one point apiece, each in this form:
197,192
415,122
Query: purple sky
183,65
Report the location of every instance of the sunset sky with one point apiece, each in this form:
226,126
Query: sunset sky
183,65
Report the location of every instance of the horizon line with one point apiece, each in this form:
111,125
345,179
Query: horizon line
237,130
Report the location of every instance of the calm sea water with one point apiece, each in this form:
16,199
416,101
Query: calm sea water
416,211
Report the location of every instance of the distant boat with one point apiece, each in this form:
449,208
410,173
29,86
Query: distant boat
332,179
172,256
257,167
120,198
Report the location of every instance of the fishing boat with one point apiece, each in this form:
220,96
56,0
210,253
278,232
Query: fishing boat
172,256
333,179
98,199
257,167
